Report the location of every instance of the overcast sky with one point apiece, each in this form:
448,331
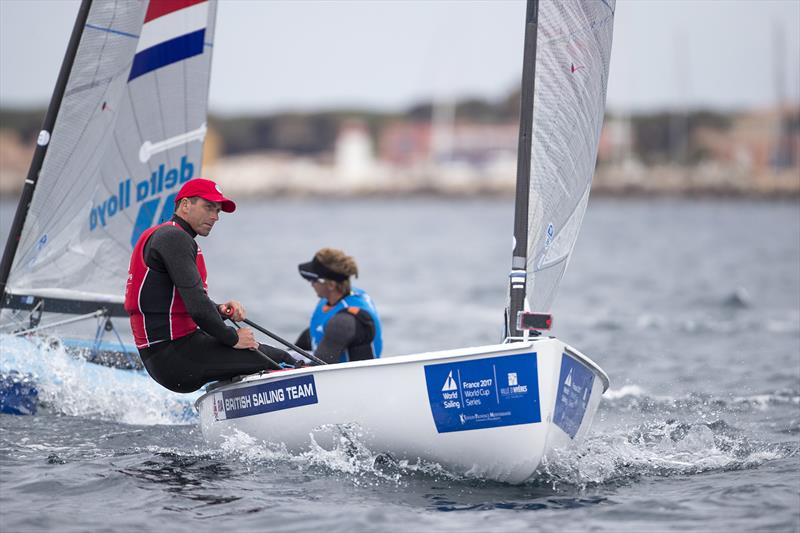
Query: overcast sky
301,55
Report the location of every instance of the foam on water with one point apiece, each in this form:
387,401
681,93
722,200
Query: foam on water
684,435
348,456
623,392
72,386
657,449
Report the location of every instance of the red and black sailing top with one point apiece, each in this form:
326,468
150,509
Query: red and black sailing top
166,293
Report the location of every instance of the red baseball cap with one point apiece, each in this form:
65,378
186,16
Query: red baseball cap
208,190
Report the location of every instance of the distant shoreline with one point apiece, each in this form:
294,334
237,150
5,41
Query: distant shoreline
260,176
631,192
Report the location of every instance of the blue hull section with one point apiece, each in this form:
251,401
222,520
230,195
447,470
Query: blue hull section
18,394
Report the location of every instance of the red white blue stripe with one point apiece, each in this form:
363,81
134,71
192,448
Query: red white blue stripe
173,30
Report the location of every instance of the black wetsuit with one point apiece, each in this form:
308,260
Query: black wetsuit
188,363
344,331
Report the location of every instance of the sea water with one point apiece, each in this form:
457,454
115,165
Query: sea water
692,307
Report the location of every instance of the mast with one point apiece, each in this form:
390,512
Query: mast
42,143
517,278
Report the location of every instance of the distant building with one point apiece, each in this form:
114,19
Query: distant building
15,158
616,141
407,144
759,141
482,144
354,159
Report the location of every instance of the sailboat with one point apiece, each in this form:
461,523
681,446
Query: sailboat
497,411
123,131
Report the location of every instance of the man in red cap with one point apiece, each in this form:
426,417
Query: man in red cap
181,336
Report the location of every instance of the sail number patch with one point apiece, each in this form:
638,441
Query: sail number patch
265,397
484,393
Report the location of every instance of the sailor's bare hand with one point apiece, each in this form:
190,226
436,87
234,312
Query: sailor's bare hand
233,310
247,340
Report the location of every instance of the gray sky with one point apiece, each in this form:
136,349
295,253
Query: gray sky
275,55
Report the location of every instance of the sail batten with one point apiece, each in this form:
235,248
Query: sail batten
95,193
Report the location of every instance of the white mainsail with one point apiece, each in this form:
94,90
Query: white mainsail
129,132
573,52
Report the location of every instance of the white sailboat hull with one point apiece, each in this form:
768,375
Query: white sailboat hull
493,412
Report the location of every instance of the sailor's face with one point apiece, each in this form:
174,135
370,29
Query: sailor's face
320,286
201,215
328,290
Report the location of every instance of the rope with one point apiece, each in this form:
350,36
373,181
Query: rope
87,316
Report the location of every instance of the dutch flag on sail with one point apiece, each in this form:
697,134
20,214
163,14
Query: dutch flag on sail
173,30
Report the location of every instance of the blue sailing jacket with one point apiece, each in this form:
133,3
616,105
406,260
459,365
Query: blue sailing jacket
358,299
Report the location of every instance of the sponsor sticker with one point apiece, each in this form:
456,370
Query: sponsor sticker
264,398
146,196
484,393
574,390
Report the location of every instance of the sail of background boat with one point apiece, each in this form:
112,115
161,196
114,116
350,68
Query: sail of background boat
128,132
124,130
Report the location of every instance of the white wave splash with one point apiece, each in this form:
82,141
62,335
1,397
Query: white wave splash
655,449
72,386
624,392
344,452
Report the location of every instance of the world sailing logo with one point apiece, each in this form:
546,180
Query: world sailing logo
148,198
450,383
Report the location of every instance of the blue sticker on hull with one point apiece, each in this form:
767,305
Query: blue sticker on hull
574,391
484,393
264,398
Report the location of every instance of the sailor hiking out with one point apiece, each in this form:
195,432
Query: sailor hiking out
179,331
